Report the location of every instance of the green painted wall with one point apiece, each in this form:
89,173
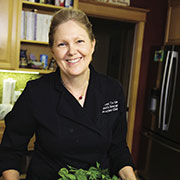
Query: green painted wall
21,80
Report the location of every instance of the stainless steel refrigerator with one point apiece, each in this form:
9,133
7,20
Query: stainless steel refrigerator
160,137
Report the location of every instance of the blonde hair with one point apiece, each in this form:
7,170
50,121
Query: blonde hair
65,15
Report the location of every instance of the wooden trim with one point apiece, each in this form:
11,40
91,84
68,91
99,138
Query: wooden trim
168,25
134,82
47,7
173,42
174,3
104,10
40,71
16,28
2,126
34,42
5,34
75,4
172,23
98,3
35,5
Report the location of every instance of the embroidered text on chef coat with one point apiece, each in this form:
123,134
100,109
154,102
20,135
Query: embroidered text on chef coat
110,106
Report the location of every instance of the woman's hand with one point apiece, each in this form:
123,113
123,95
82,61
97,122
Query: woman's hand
11,174
127,173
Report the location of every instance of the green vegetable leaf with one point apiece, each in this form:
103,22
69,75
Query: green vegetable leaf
97,165
81,174
71,176
93,173
114,178
63,171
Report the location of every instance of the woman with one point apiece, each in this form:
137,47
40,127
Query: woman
77,114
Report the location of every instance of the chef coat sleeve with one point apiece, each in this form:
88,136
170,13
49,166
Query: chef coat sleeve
119,155
20,127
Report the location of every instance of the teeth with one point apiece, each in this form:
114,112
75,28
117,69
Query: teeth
73,60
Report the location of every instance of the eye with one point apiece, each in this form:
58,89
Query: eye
80,41
61,44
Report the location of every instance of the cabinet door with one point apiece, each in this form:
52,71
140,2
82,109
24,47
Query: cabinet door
2,126
8,33
173,25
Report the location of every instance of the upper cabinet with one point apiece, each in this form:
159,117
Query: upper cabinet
8,34
35,22
113,11
12,45
173,23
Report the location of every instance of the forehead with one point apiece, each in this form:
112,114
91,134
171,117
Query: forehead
72,23
71,26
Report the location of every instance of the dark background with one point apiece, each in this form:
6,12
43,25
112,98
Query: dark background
154,35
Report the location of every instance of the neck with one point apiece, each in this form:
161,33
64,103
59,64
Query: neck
77,86
75,82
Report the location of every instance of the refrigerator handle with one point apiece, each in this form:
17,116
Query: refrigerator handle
162,89
174,57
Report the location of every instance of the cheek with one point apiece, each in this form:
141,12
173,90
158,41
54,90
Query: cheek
59,54
87,50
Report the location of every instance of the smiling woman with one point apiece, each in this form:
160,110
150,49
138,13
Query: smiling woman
77,114
72,43
72,49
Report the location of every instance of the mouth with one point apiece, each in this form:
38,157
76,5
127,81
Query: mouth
73,60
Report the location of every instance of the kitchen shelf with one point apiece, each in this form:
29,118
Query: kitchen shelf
40,6
34,42
40,71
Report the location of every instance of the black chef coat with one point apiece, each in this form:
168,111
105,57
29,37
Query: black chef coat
66,133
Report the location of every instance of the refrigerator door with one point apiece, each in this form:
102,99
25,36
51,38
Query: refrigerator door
159,160
173,124
165,120
170,97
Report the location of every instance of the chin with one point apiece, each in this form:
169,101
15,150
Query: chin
77,73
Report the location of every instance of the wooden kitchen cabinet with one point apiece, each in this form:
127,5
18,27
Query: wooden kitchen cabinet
9,45
37,47
10,32
173,23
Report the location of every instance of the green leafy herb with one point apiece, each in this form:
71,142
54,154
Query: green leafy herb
93,173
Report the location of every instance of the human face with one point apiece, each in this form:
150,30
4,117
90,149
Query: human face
72,48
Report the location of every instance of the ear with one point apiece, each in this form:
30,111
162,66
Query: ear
93,45
52,52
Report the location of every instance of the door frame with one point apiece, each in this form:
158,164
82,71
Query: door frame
125,14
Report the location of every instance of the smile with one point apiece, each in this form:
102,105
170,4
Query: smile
73,60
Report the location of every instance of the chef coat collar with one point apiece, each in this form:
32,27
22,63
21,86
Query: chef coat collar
58,80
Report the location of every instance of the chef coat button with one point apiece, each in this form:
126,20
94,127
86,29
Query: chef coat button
71,130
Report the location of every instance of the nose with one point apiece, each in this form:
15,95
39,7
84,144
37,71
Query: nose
72,50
